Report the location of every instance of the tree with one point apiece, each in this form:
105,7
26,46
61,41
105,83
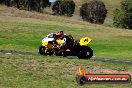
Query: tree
37,5
123,17
93,12
31,5
64,7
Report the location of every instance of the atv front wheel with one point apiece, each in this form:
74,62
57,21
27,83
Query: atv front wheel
85,52
42,50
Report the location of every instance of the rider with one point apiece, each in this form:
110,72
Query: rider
62,36
54,36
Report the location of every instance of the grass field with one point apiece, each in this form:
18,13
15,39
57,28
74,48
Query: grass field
18,71
27,35
23,31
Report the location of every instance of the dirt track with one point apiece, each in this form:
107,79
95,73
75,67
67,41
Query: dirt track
93,59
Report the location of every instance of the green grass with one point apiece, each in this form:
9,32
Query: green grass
18,71
25,34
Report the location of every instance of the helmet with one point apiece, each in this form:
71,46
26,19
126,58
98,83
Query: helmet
59,34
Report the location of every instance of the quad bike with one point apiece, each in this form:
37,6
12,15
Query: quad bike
72,48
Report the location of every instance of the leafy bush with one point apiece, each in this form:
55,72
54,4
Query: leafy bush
2,1
123,17
64,7
93,12
31,5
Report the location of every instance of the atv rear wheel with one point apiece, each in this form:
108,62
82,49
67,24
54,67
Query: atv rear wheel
85,52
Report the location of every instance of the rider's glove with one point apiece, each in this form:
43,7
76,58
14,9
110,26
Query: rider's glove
59,47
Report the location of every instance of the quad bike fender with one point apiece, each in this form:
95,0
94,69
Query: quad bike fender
47,45
85,41
45,42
